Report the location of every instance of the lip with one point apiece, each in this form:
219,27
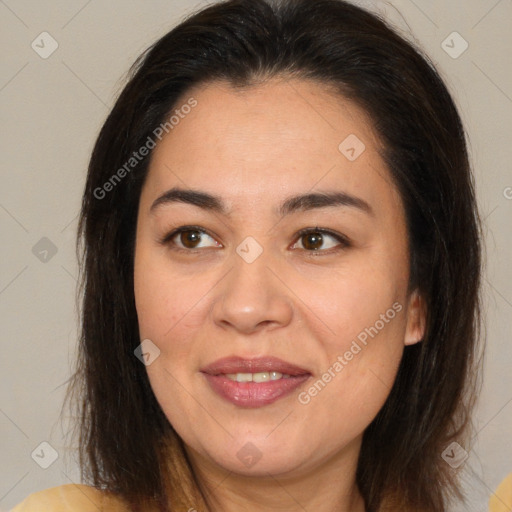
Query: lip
235,364
253,394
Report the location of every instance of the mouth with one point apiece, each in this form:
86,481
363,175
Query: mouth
255,382
256,377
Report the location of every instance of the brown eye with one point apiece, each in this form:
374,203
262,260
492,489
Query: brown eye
312,241
318,240
190,238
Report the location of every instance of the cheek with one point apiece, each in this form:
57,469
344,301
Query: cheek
362,315
165,300
358,373
352,300
166,304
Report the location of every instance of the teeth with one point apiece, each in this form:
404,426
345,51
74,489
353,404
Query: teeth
256,377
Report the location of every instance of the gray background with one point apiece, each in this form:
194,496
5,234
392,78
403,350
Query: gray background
52,109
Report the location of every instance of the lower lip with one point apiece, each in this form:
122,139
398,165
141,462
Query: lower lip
254,394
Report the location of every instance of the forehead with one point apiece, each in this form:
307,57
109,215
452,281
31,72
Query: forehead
281,135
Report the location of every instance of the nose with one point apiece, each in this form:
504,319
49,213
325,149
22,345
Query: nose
252,297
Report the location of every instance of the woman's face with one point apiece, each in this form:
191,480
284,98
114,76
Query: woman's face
330,303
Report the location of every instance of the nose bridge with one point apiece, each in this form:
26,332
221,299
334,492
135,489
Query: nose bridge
251,296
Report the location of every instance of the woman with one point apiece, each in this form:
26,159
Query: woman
281,270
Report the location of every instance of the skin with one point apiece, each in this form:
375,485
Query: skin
254,148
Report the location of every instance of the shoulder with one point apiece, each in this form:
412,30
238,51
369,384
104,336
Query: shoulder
501,499
71,497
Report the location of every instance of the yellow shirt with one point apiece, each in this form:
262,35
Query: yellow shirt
501,500
83,498
71,498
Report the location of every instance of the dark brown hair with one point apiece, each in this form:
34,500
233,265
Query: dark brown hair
127,445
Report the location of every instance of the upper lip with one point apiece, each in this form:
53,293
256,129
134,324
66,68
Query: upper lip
235,364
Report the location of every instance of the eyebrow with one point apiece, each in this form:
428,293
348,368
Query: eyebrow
291,205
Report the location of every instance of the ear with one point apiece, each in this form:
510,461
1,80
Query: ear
416,319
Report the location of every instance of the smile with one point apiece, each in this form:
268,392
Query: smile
254,382
256,377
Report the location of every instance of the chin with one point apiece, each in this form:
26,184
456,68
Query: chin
257,456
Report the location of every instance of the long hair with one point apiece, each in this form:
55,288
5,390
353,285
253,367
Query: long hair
127,445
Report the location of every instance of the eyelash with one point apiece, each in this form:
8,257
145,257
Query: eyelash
344,241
